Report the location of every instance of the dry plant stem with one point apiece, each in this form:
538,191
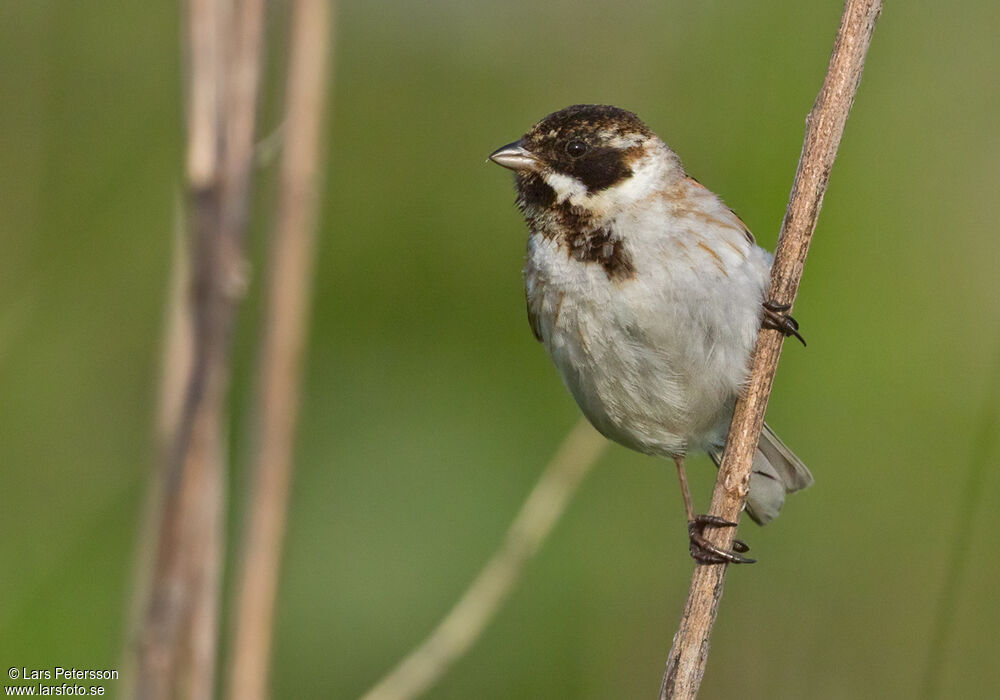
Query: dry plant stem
456,633
177,644
175,367
279,364
824,127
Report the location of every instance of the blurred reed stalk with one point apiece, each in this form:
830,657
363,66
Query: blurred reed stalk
824,128
284,332
970,506
464,624
175,366
177,642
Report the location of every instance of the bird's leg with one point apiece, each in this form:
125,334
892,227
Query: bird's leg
776,316
701,549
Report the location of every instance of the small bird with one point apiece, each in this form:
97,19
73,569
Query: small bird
647,291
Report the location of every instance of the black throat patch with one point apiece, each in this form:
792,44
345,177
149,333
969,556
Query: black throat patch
600,246
573,228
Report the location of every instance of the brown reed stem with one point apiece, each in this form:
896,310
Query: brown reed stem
824,128
177,646
279,367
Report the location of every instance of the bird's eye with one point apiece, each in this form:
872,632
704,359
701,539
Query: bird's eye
576,148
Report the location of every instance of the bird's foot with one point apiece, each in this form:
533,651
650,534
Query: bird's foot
776,316
705,552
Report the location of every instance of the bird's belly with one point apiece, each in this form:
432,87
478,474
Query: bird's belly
631,367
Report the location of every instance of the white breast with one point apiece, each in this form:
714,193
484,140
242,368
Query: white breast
655,361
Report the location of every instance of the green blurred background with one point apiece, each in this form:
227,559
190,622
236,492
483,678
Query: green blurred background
429,410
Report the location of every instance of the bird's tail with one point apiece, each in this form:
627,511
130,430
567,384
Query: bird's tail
776,471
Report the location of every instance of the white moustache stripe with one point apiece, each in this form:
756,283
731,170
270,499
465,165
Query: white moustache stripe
566,187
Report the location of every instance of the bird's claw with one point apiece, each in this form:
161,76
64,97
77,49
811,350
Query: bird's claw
776,316
705,552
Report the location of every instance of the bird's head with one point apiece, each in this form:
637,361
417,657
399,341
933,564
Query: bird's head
596,159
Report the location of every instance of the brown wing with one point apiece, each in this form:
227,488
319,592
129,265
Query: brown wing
746,231
736,217
533,321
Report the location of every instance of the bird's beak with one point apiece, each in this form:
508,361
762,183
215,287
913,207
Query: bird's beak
515,156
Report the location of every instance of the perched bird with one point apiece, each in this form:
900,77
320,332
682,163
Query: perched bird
647,292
